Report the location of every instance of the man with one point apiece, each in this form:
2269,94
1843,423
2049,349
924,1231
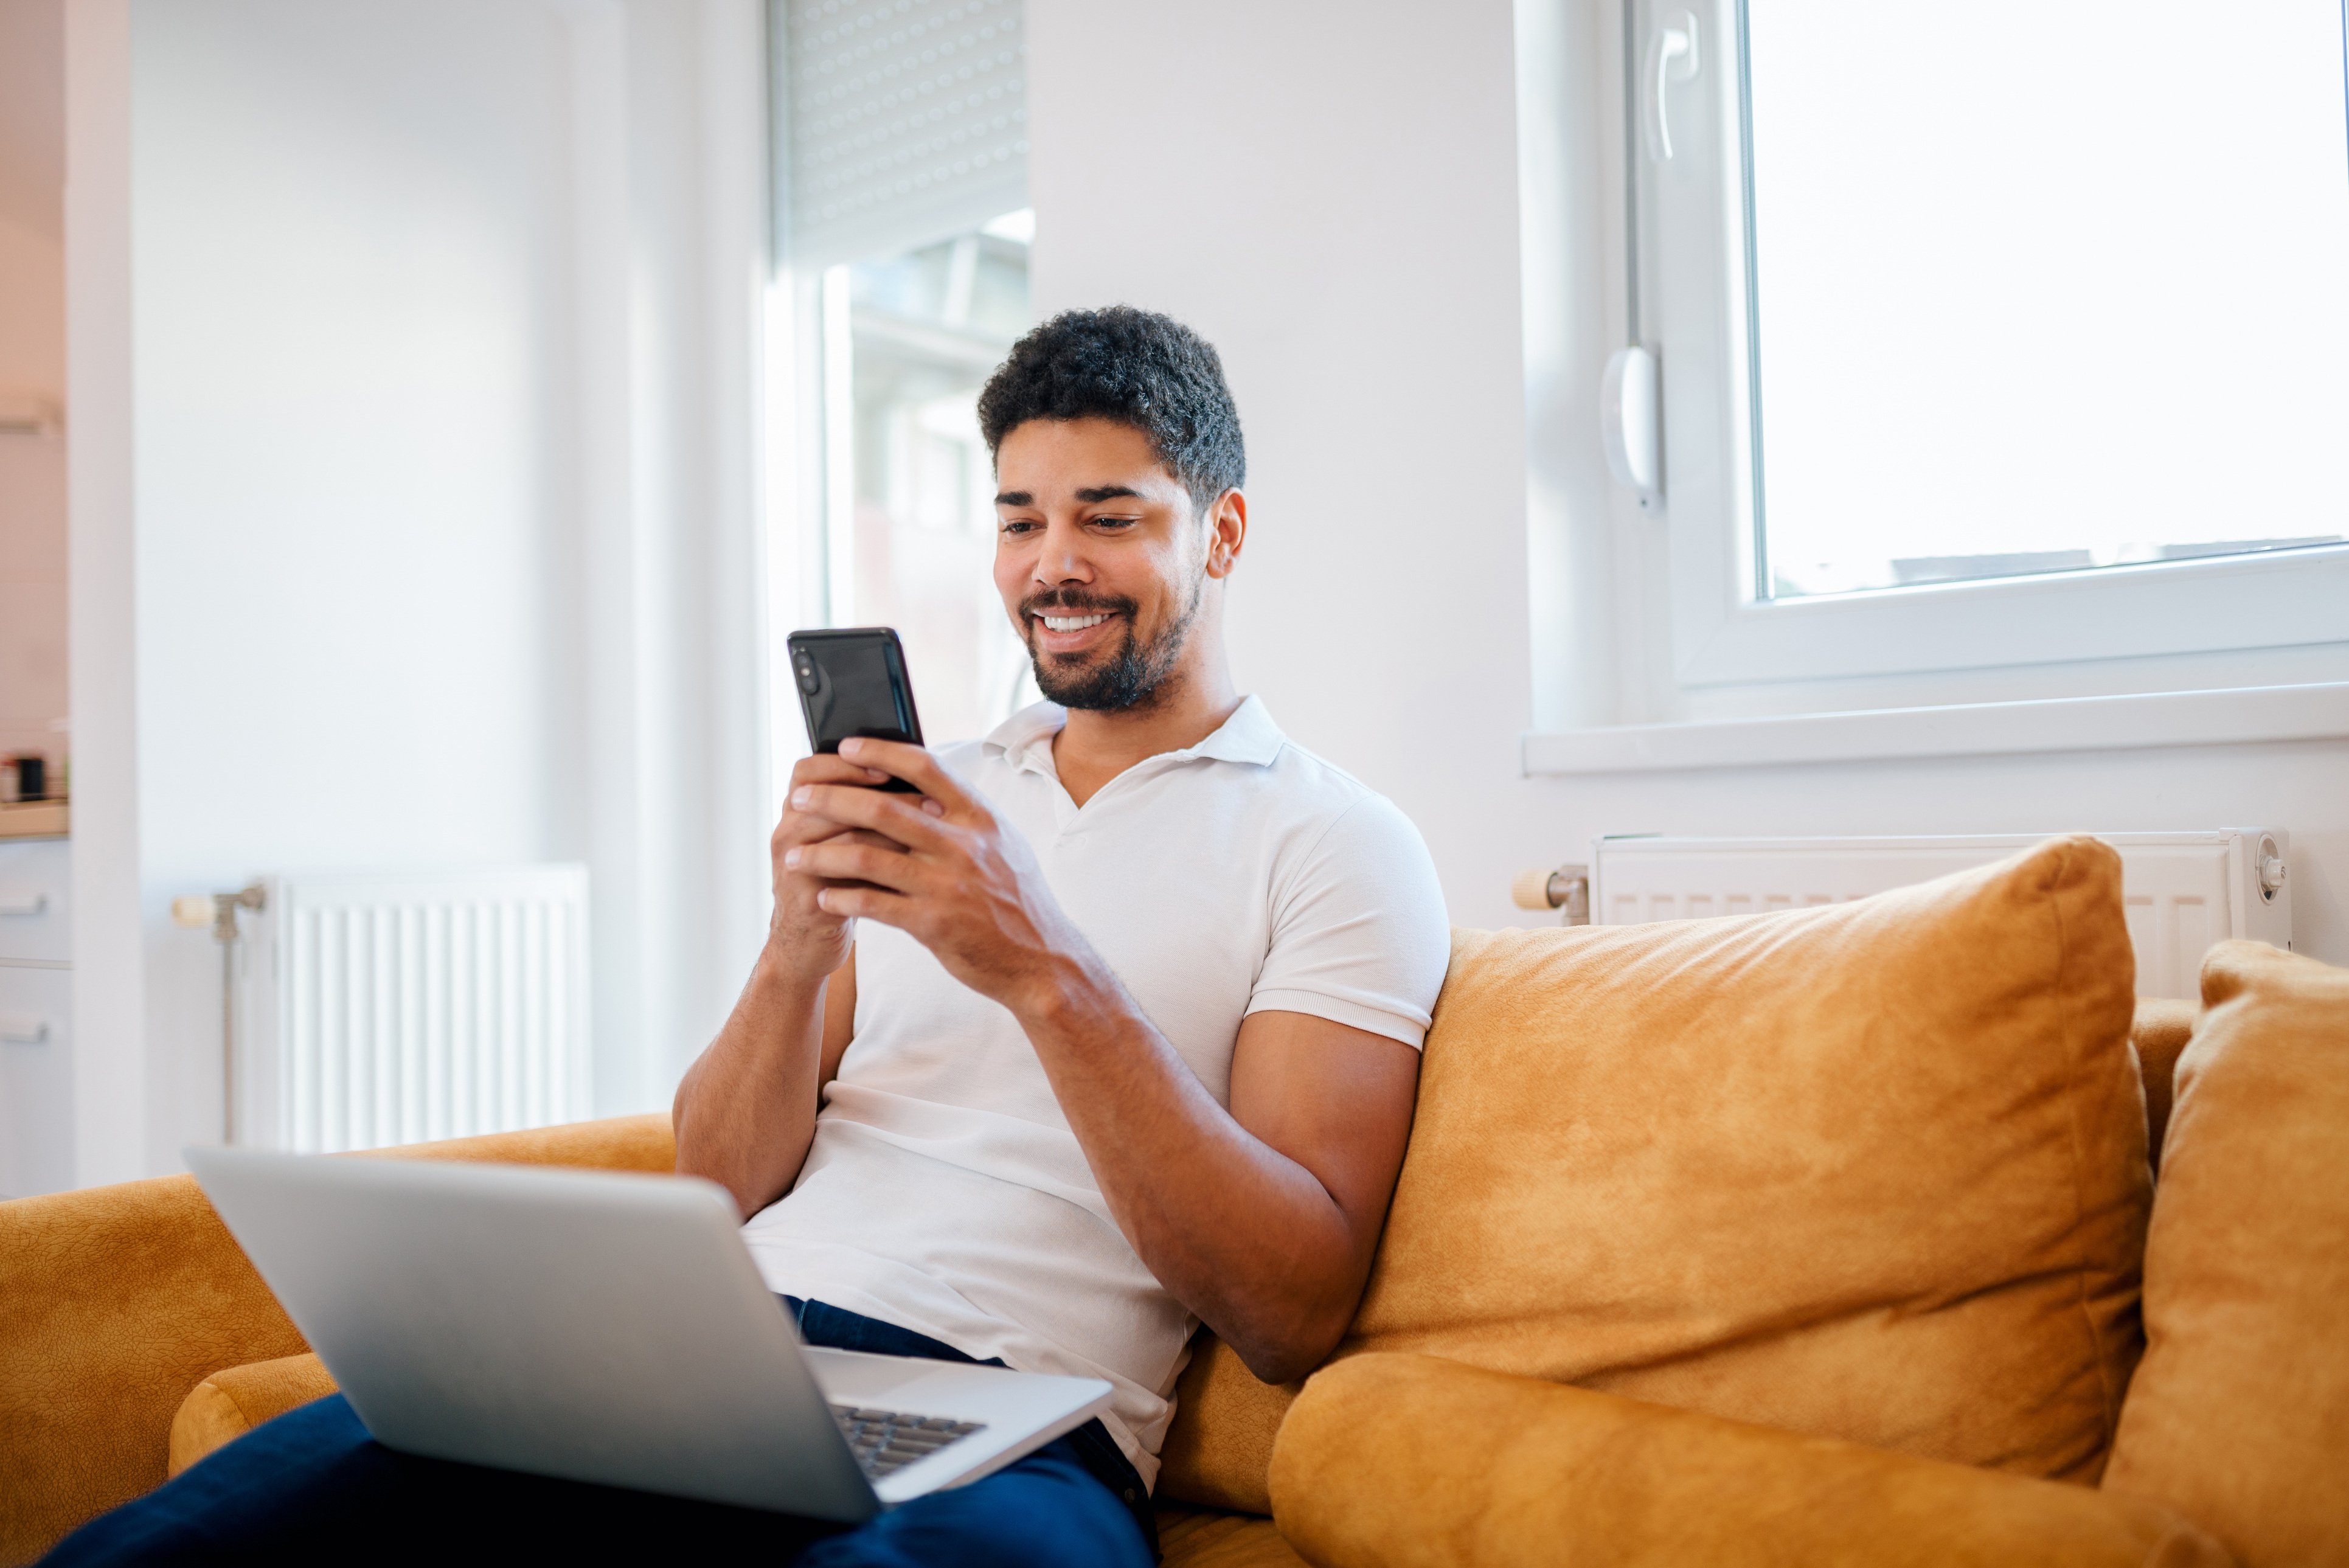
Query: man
1110,1030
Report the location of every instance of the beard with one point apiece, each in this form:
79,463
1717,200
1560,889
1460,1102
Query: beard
1132,676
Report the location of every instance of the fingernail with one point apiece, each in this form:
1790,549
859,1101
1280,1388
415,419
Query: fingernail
876,775
852,745
791,857
934,808
800,796
822,894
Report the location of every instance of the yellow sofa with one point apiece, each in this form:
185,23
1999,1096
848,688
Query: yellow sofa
1811,1238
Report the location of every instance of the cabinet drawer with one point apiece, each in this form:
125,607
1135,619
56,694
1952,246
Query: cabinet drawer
36,1081
35,881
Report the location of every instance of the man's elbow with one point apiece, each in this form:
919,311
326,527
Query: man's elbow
747,1202
1288,1353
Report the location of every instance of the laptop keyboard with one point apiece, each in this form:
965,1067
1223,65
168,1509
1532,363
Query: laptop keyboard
886,1440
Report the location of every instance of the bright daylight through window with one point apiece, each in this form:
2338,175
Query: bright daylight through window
908,341
2043,285
902,160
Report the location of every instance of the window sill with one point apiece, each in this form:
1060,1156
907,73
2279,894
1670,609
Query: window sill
2236,717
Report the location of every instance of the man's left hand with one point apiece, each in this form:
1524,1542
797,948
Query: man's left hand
966,888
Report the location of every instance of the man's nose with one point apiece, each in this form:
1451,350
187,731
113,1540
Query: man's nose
1063,557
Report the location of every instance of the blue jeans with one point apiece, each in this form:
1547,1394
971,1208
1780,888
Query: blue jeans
312,1487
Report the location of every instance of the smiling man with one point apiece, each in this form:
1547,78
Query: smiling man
1110,1031
1116,1032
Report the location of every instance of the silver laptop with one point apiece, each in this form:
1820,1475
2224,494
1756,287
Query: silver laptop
605,1327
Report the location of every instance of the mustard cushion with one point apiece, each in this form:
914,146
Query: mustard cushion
1874,1170
2239,1417
1407,1461
227,1405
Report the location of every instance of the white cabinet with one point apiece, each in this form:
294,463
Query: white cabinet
36,1017
36,1080
35,881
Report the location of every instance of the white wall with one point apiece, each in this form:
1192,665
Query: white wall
443,550
1331,196
349,298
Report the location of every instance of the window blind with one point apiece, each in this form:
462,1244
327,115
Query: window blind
905,121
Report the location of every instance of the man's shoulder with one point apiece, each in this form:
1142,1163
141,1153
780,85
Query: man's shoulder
1358,932
1311,779
1325,802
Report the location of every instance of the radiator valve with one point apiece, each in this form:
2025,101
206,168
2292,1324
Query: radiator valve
196,910
1565,887
217,910
2271,868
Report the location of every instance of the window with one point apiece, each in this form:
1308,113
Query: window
903,238
2000,334
909,514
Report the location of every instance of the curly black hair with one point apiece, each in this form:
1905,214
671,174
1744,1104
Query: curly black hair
1137,368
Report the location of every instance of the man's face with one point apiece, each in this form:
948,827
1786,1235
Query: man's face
1099,557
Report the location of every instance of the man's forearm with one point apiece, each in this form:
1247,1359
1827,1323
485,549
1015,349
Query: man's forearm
1244,1235
746,1109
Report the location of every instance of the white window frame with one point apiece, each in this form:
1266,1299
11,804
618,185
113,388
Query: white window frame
1693,264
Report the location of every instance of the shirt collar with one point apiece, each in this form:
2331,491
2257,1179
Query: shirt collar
1248,735
1018,735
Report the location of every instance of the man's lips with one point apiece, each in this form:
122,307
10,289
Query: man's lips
1070,630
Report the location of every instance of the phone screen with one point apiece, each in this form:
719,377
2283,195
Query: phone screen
852,682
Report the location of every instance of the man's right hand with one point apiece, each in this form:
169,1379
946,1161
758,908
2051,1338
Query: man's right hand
802,941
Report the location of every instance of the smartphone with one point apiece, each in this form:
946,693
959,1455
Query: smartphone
854,682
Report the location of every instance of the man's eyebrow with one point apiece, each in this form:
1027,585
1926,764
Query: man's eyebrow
1089,495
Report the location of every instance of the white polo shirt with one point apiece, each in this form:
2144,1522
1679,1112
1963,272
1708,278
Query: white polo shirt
944,1191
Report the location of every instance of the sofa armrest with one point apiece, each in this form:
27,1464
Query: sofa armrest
115,1301
644,1142
1408,1461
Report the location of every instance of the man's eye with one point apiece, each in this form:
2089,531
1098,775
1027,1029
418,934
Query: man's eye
1018,525
1115,521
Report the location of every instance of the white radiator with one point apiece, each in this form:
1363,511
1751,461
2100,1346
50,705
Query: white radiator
388,1009
2182,891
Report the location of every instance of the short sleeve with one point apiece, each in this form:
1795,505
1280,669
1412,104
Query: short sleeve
1360,935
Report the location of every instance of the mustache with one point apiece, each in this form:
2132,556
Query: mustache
1075,602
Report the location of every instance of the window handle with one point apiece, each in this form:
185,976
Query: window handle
1631,424
1672,58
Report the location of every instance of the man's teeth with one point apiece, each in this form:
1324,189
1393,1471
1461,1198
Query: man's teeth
1072,623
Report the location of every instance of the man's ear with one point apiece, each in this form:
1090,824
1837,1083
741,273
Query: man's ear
1227,532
